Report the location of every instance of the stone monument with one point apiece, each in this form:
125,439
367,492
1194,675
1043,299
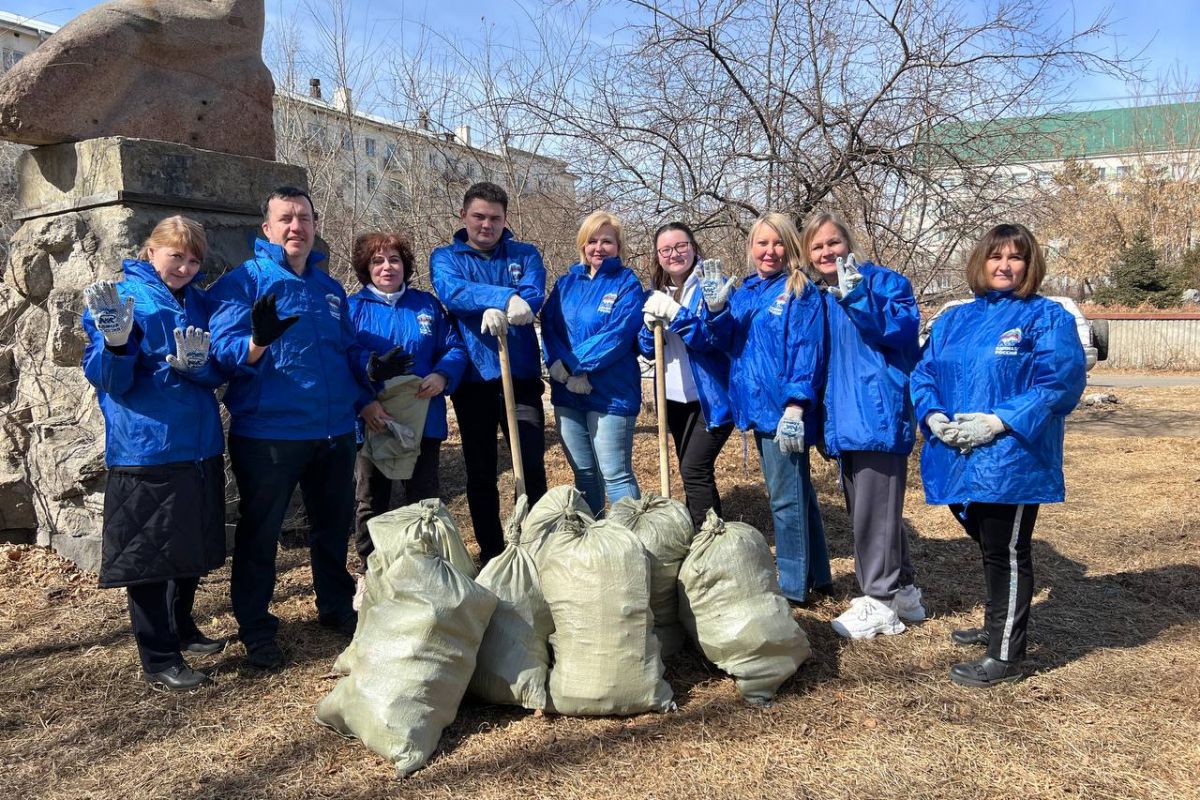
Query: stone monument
87,202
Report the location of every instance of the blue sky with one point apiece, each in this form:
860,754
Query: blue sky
1165,30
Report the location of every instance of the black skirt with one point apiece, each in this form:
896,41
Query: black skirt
163,522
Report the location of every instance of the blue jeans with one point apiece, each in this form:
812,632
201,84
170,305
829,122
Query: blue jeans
600,451
800,549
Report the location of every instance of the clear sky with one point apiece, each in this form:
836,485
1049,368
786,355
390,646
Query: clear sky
1165,32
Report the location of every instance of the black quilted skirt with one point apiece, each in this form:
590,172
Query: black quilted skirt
162,522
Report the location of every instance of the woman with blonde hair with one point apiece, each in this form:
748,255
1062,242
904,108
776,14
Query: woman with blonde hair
773,329
164,501
872,322
589,328
993,388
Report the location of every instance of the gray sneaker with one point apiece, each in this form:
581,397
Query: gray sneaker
907,603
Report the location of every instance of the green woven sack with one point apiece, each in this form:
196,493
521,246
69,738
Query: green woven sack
390,533
416,653
606,657
547,515
664,528
730,603
514,657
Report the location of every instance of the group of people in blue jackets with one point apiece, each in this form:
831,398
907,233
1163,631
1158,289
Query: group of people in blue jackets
810,349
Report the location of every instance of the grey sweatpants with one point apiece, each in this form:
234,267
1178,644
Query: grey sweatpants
874,488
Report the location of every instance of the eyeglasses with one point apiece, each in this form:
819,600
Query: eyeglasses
678,249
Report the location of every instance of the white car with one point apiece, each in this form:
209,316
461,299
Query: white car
1082,325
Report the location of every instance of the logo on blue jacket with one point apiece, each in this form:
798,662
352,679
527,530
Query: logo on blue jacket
425,323
606,303
335,305
777,307
1010,340
515,271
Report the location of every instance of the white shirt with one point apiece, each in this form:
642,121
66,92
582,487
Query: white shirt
681,385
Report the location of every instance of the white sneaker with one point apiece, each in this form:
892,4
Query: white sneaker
907,604
360,591
867,617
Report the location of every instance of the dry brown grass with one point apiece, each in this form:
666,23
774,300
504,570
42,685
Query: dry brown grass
1112,709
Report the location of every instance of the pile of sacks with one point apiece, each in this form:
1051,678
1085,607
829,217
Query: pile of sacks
574,617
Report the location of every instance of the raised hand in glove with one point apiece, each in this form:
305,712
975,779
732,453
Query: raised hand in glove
114,318
518,311
848,277
978,429
579,384
495,323
942,428
789,433
265,324
392,363
191,349
559,372
661,306
713,285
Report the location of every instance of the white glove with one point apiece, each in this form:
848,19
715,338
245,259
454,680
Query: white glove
579,384
494,322
558,372
114,319
403,433
942,428
713,285
519,312
661,306
789,434
191,349
848,277
978,429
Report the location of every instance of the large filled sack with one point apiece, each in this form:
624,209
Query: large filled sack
390,534
664,528
547,516
596,581
416,653
514,657
729,601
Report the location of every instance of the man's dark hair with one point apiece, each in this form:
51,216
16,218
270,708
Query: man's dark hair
487,192
287,193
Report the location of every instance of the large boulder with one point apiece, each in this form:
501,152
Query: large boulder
187,71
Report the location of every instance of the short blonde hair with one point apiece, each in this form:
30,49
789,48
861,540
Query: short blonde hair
177,231
594,222
809,232
793,252
1025,245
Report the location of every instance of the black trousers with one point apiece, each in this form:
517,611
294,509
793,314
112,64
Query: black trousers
161,616
697,449
373,492
1005,535
479,408
267,472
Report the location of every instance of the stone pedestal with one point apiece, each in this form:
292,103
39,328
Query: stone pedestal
84,207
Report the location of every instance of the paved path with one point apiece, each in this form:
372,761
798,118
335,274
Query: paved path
1127,379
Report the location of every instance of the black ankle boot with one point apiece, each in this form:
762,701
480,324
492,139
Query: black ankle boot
969,636
985,672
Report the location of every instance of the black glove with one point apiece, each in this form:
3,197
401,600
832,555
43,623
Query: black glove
265,324
392,363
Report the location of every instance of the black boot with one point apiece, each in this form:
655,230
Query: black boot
970,636
985,672
177,678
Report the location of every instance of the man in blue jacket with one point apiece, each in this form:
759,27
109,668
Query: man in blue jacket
281,332
493,285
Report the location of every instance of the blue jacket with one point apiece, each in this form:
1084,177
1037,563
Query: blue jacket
709,365
872,350
154,414
311,382
1018,359
777,351
591,323
469,282
418,324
